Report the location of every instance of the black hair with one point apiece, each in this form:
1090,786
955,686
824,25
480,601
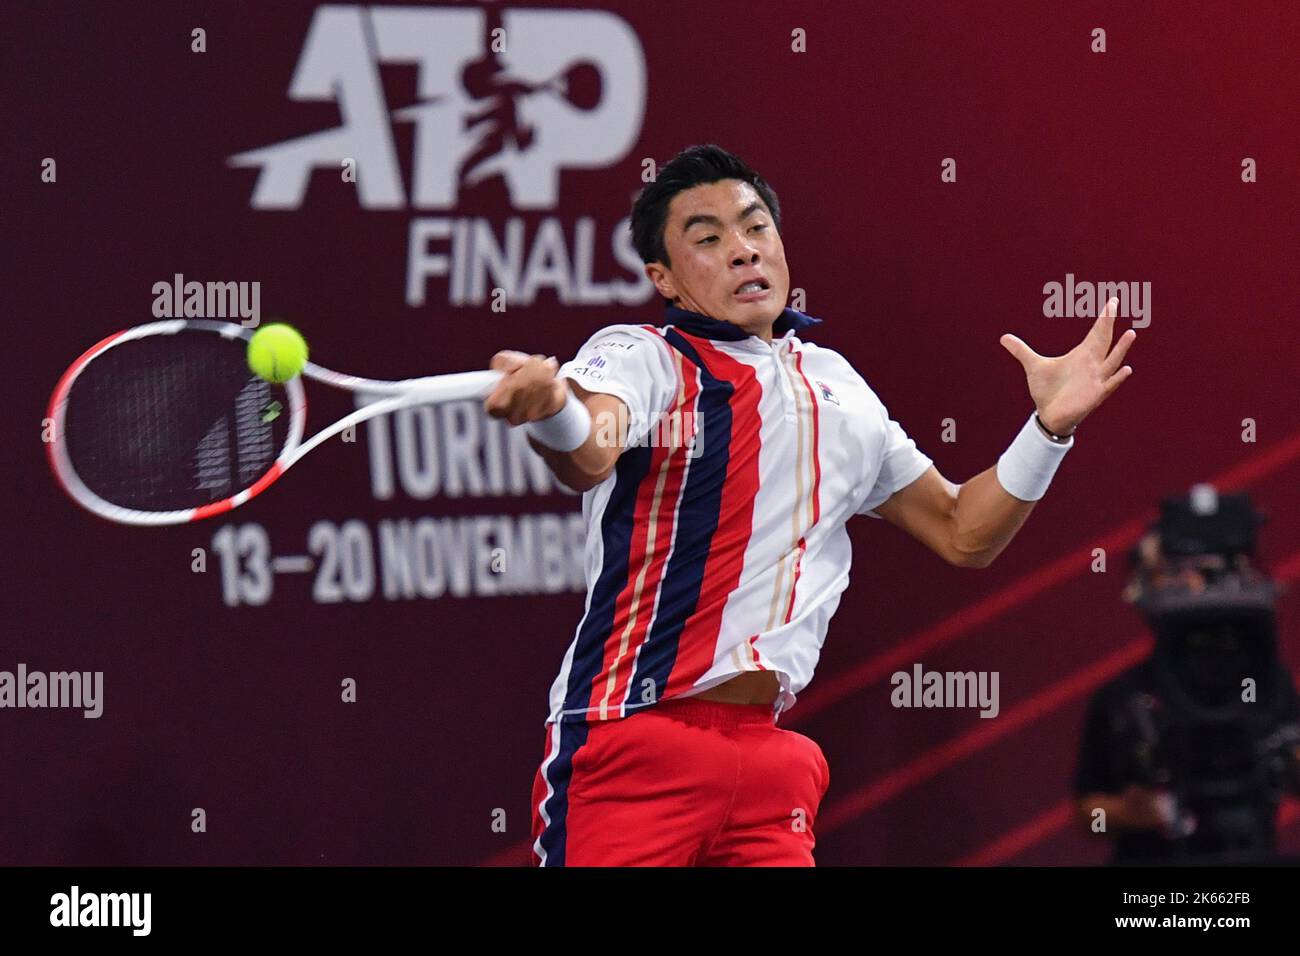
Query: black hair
693,166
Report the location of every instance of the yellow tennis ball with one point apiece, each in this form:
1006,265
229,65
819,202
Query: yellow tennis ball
276,352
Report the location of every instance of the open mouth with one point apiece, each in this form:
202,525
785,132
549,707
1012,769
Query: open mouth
752,287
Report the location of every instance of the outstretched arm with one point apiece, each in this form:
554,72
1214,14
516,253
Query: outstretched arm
971,524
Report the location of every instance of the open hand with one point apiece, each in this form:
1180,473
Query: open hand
1066,388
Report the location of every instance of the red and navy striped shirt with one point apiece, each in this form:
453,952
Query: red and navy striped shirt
718,544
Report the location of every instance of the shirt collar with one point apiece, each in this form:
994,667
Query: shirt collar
710,328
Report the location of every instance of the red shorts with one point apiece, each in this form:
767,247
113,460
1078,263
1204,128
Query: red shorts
685,782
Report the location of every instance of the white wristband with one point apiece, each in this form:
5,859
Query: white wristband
567,429
1027,466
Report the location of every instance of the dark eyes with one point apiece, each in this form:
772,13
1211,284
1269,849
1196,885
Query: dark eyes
760,226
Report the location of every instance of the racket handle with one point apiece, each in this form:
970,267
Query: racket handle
453,387
440,388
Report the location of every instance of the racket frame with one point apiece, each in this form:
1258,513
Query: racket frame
395,395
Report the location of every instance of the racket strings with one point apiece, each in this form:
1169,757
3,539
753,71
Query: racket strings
172,422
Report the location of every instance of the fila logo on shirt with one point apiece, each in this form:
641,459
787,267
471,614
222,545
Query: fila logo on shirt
519,95
827,394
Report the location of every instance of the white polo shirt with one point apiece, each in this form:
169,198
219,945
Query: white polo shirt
718,544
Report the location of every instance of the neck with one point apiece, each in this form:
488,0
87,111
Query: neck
700,324
763,332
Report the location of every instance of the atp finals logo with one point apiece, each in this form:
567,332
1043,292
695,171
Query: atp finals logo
518,95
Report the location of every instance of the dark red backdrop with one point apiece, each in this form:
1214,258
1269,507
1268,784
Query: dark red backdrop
1122,166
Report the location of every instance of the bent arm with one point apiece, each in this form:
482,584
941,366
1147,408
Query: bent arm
967,525
529,391
591,462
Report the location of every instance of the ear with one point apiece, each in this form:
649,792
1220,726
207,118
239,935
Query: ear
662,278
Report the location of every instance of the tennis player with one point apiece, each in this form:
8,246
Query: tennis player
720,456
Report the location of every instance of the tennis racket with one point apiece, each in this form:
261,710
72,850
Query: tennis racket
164,423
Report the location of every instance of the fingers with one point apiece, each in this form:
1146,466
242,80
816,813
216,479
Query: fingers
1102,330
1023,353
537,403
1117,354
528,391
1115,381
507,360
497,403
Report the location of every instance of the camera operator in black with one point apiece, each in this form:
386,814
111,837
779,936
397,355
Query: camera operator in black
1189,752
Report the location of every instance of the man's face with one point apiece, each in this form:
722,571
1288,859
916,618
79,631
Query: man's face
721,240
